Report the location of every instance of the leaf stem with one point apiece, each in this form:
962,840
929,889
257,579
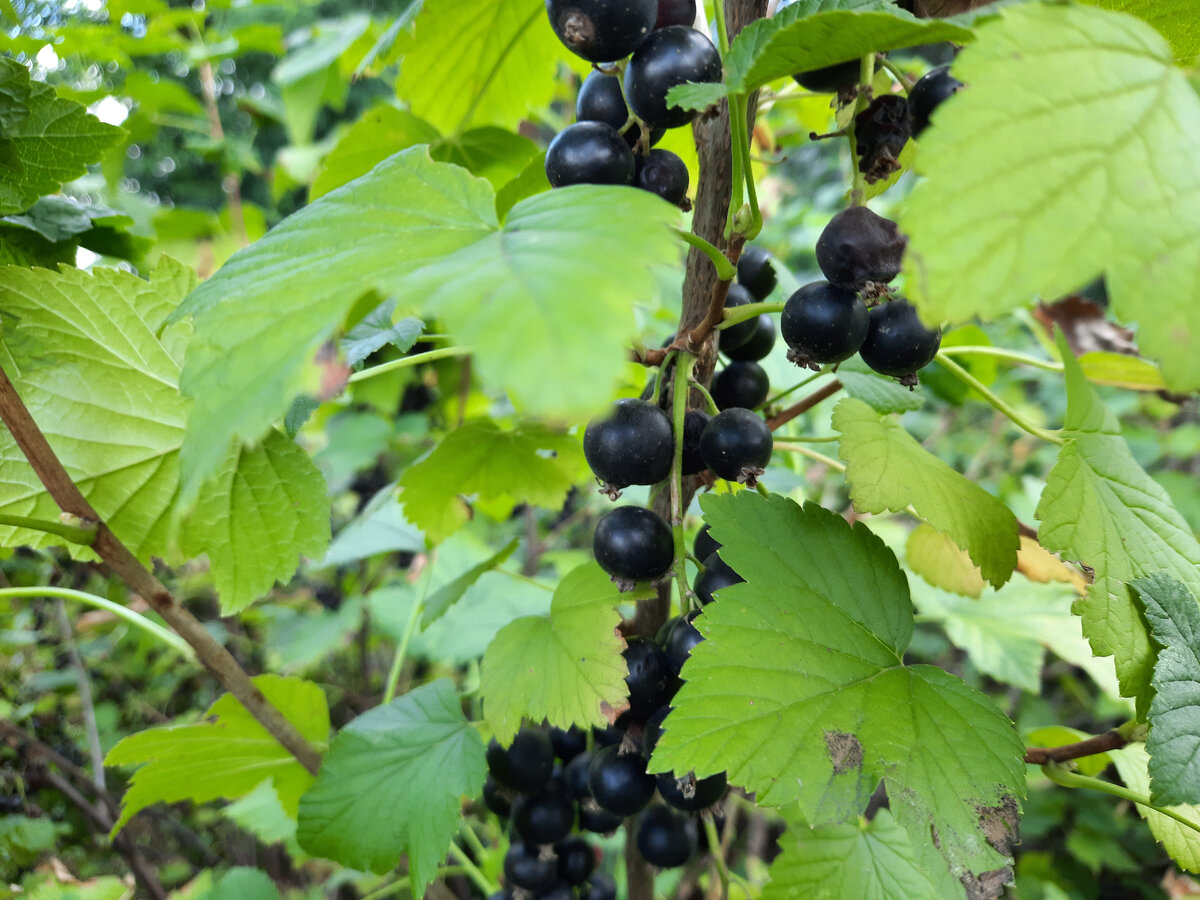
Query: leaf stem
749,311
406,361
472,870
525,578
904,80
1005,354
725,269
389,691
1015,417
83,535
660,377
811,454
703,392
866,74
1060,774
679,399
740,138
718,857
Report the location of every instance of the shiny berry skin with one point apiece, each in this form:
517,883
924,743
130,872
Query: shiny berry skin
601,887
858,246
651,681
544,817
524,868
666,838
589,153
760,344
897,343
664,173
576,859
741,384
691,794
600,100
823,323
716,575
633,444
736,443
602,30
620,784
575,775
736,335
560,890
495,798
930,91
694,423
670,56
675,12
526,765
610,734
633,544
568,744
596,820
704,543
756,273
682,639
653,729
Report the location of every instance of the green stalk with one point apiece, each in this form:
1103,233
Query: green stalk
1005,354
1060,774
866,74
1015,417
903,80
811,454
662,371
725,269
472,870
749,311
389,691
683,374
712,404
83,535
715,845
405,362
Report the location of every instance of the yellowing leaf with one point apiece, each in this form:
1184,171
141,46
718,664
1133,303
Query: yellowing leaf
934,556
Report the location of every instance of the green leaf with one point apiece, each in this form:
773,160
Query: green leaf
1122,370
492,153
526,464
1027,198
1099,507
478,62
1181,843
380,132
882,394
379,528
226,756
696,95
888,470
1176,21
240,883
530,182
800,693
1174,739
565,667
327,41
376,330
934,556
247,362
44,140
23,840
449,594
391,782
260,813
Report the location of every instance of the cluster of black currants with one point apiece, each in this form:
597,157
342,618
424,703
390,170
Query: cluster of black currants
607,144
743,382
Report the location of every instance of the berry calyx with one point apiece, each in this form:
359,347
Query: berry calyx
665,838
823,324
897,343
716,575
857,247
650,679
525,867
689,793
760,344
694,423
602,30
526,764
756,273
576,860
633,544
737,445
675,12
673,55
664,173
620,784
633,444
741,384
930,91
589,153
600,100
543,817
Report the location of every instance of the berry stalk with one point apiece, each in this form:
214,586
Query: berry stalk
679,403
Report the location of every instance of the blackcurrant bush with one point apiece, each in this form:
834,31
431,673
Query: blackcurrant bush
716,575
650,678
601,887
736,335
741,384
897,343
602,30
669,56
496,798
526,765
568,744
632,543
524,867
930,91
830,79
704,543
676,12
632,444
589,153
596,820
858,246
575,775
760,344
689,793
694,423
576,859
543,817
664,173
600,100
737,445
880,132
620,784
756,273
683,638
823,323
666,838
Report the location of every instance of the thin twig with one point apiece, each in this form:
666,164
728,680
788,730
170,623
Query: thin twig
802,406
1101,743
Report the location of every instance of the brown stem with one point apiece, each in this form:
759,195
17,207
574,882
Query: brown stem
1110,740
138,578
804,405
231,182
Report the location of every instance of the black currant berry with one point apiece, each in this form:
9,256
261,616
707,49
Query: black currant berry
736,335
496,798
576,859
600,887
664,173
737,445
503,894
756,273
822,324
935,87
633,444
601,100
633,544
543,817
525,868
835,79
589,153
602,30
690,794
527,764
683,638
560,890
620,784
741,384
650,679
897,343
575,775
858,246
596,820
609,735
704,543
676,12
653,729
880,132
694,423
568,744
666,838
670,56
716,575
760,344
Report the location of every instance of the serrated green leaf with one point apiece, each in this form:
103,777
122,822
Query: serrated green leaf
696,95
449,594
226,756
1174,739
377,330
261,318
380,132
1100,507
379,528
934,556
528,463
391,783
800,693
240,883
1181,843
1026,197
490,152
882,394
44,140
531,182
327,41
260,813
1175,20
1122,370
565,667
888,470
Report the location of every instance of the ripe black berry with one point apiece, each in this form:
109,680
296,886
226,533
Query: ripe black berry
694,423
527,764
737,445
543,817
823,323
760,344
935,87
664,173
633,544
600,100
653,729
596,820
670,56
880,132
736,335
689,793
704,543
576,860
830,79
560,890
897,343
633,444
610,734
568,744
495,798
525,868
665,838
756,273
650,679
602,30
575,775
676,12
716,575
683,638
741,384
858,246
618,783
589,153
601,887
